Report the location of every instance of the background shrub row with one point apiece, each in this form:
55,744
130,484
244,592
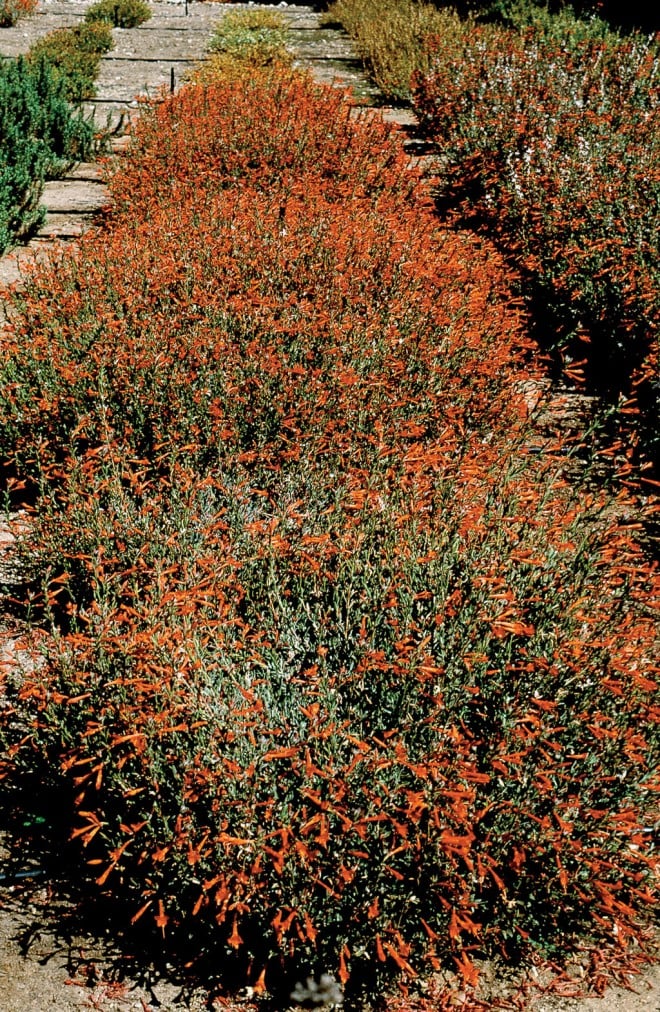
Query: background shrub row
547,138
617,13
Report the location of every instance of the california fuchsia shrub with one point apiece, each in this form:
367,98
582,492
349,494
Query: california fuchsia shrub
342,677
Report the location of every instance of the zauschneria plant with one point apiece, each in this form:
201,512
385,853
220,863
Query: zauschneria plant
341,676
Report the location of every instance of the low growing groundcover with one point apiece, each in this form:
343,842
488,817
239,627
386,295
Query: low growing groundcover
341,674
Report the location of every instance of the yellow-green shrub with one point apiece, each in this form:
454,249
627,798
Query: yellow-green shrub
389,36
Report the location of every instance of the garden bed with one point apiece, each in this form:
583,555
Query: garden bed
344,670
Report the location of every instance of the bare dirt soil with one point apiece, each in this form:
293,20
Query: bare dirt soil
48,963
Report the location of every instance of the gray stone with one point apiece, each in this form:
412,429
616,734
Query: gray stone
74,196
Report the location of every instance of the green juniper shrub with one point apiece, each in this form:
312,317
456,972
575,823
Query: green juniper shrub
119,13
40,137
66,132
21,184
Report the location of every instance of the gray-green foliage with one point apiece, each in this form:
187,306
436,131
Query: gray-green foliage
254,35
120,13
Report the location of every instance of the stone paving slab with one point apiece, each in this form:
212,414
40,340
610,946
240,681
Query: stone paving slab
344,75
17,40
121,82
74,195
88,171
301,17
15,263
177,42
323,42
67,224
